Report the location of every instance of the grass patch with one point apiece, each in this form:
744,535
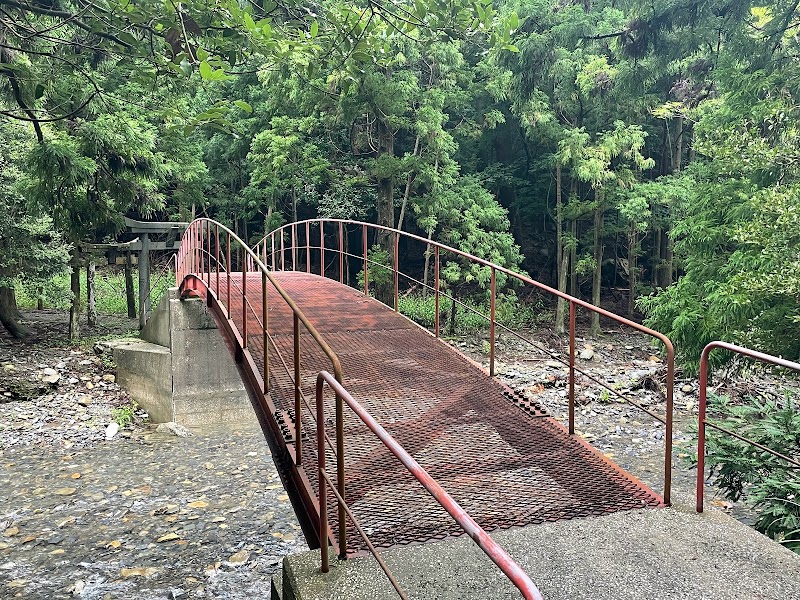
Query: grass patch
109,286
509,310
124,415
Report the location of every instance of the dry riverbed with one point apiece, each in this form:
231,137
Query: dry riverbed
94,512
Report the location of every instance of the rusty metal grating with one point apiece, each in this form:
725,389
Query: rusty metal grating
500,456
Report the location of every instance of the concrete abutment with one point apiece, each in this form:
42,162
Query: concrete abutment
180,369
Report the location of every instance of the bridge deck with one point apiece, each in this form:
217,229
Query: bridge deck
500,456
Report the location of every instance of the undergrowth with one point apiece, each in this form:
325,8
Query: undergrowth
509,311
745,472
109,287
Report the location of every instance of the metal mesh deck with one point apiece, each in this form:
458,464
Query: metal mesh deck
500,456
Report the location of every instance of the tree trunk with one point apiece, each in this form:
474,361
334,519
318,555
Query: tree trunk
129,292
407,191
598,262
573,251
40,298
573,259
655,272
75,305
632,251
384,290
9,313
560,274
666,150
91,294
678,156
427,265
668,262
451,326
562,287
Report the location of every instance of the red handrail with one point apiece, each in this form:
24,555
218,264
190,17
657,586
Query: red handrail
573,303
198,255
702,423
492,549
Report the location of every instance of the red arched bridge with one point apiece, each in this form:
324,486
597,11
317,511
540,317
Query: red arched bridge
365,410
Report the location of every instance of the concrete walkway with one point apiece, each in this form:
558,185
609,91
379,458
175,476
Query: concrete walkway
665,554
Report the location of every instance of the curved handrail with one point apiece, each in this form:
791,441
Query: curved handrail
262,248
195,259
492,549
524,278
194,263
337,367
702,423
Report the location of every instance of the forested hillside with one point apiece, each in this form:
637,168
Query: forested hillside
641,153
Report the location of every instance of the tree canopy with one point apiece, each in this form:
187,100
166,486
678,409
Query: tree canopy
647,148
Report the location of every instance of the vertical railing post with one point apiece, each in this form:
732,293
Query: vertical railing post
210,254
272,249
228,268
396,261
216,253
308,247
322,248
294,246
323,484
341,254
701,431
298,421
340,475
283,253
492,314
668,425
436,286
193,256
194,247
366,272
265,321
571,367
244,299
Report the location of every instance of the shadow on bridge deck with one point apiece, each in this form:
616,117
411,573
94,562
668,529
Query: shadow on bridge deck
503,459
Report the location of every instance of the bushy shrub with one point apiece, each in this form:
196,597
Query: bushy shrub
742,471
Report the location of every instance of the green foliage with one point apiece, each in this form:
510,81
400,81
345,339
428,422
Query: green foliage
125,414
110,289
510,312
663,118
736,237
30,249
768,483
379,269
466,216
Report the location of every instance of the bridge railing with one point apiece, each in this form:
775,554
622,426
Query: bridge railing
704,423
491,548
214,261
214,256
295,245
